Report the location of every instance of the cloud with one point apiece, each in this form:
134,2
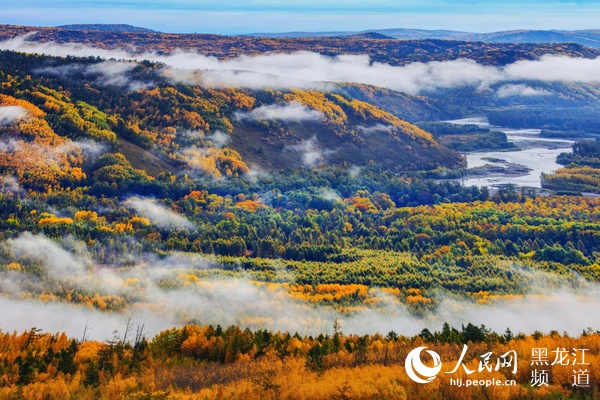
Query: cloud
106,73
196,159
21,315
177,289
313,70
23,44
329,194
11,146
57,261
379,128
114,73
560,309
554,69
190,134
219,139
10,186
312,154
51,154
354,171
10,114
61,70
165,292
158,214
521,90
292,112
90,148
221,77
255,172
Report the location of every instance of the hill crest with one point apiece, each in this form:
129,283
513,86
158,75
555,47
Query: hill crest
106,28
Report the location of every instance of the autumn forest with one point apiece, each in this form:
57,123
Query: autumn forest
169,232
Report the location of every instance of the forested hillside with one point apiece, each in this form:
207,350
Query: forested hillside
250,235
211,131
547,85
394,51
582,169
199,362
101,162
311,184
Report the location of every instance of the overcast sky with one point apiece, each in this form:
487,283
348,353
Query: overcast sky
230,17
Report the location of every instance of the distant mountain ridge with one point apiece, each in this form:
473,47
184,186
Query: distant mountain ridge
107,28
379,48
590,38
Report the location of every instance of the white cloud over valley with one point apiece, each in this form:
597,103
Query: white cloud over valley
313,70
10,114
292,112
521,90
158,213
171,291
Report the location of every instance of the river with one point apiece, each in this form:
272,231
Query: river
534,153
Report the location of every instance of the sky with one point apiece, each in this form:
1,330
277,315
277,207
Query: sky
238,17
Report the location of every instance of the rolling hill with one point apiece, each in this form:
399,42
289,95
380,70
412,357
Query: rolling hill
160,126
106,28
590,38
389,51
141,198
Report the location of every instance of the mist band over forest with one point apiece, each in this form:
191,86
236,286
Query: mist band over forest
205,216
